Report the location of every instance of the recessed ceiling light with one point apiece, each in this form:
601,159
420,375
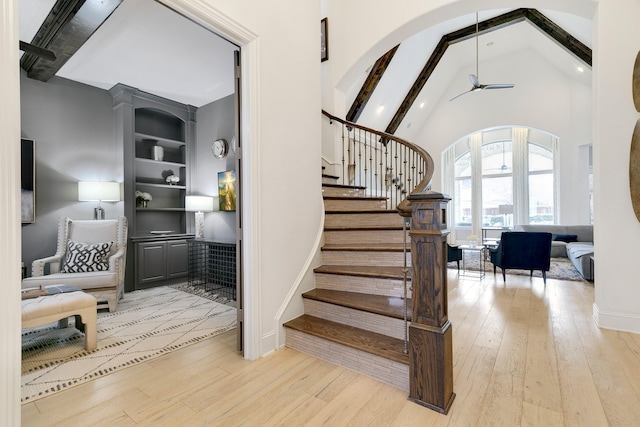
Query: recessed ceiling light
580,69
380,109
422,104
490,44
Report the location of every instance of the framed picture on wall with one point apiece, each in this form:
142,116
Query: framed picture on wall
324,41
28,180
227,190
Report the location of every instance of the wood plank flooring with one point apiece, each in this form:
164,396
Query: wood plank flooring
524,355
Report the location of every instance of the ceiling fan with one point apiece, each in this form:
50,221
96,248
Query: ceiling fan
474,77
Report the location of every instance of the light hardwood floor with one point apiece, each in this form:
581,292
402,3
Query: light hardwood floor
524,355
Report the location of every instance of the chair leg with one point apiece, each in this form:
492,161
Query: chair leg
530,273
544,277
458,262
113,303
504,275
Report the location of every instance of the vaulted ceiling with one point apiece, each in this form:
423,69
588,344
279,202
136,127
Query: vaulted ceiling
405,97
145,45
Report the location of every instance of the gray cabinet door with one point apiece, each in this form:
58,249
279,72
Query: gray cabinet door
177,258
151,264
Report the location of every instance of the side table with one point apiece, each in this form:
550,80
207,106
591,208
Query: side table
480,250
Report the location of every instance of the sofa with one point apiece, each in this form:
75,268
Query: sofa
569,241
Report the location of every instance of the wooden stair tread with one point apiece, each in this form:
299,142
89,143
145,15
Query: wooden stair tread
353,187
353,198
359,339
356,212
325,175
377,304
367,247
362,228
384,272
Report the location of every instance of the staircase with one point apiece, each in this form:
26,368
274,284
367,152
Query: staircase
355,316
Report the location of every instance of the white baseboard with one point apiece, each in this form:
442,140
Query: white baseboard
616,321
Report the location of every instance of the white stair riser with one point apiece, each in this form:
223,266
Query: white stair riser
341,191
363,220
388,371
327,180
394,259
363,285
354,205
332,237
384,325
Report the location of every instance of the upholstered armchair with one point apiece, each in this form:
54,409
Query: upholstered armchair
522,251
90,255
454,253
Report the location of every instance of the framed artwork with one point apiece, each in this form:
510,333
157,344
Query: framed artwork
227,190
28,181
324,40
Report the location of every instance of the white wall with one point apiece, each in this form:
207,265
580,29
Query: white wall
544,98
281,148
9,216
617,292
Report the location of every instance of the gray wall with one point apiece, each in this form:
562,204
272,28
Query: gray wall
72,125
214,121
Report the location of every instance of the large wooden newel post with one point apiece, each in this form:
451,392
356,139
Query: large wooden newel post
430,332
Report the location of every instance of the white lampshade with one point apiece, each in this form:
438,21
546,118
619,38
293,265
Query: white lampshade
198,204
89,191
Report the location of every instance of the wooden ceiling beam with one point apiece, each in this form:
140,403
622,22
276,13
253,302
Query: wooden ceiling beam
68,26
537,19
376,73
559,35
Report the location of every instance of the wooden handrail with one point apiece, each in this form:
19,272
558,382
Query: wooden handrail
385,164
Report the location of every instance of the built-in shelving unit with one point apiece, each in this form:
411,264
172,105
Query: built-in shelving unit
158,140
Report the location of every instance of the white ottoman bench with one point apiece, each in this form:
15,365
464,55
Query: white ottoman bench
49,308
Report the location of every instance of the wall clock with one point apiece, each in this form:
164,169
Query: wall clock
220,148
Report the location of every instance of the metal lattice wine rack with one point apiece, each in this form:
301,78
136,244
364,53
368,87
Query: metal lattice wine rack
212,266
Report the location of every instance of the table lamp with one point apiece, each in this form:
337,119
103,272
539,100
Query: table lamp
199,205
95,191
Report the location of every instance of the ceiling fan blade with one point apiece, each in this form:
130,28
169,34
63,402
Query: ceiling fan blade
498,86
463,93
474,80
38,51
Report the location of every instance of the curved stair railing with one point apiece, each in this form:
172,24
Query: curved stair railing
386,165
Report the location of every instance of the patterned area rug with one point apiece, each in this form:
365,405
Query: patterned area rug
561,268
148,324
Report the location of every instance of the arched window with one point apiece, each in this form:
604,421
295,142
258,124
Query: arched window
516,175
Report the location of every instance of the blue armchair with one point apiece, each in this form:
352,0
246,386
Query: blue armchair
454,253
522,251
